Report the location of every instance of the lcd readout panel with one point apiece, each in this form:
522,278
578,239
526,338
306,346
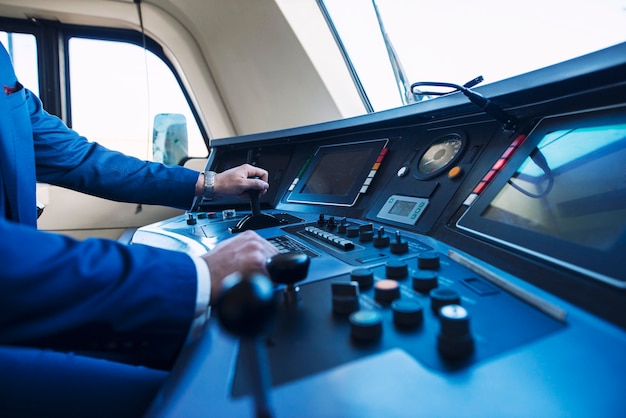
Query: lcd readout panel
562,197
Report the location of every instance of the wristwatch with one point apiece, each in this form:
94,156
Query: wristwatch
209,185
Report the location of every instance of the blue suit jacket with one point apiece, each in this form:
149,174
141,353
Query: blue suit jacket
99,297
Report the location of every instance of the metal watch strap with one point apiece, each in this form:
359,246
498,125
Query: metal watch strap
209,185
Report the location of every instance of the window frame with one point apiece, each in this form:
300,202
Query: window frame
52,40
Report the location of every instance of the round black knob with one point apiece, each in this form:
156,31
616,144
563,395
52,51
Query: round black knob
455,341
245,306
366,236
364,277
352,231
366,325
381,240
424,280
428,260
396,269
343,226
407,313
345,297
386,291
399,245
442,296
288,268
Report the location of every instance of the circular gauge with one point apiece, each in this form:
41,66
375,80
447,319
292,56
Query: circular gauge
440,155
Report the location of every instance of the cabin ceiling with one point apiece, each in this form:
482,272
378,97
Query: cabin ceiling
246,68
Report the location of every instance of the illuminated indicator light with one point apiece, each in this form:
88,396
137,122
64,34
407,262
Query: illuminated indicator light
367,181
490,175
376,166
499,164
372,173
509,151
479,187
363,189
455,172
470,199
386,284
518,141
384,151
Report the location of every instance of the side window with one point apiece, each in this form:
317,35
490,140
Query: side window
22,48
128,99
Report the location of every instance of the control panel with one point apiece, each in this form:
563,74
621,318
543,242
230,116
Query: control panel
431,263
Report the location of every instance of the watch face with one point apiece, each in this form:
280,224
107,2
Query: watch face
440,155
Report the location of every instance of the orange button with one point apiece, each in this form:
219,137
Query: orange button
455,172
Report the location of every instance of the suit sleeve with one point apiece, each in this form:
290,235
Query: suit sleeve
66,159
96,297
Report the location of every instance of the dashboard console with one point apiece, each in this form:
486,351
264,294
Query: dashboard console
457,267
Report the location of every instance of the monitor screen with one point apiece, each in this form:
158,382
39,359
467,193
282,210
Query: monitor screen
338,174
562,197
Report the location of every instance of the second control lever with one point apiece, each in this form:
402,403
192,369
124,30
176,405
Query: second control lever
289,269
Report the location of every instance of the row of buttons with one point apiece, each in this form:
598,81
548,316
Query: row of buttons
330,238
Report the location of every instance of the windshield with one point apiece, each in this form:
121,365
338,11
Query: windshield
455,41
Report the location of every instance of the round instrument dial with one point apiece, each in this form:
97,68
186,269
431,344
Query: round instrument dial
440,155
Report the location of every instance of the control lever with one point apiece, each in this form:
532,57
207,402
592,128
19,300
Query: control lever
289,269
246,308
256,219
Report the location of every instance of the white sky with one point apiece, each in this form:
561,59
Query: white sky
457,40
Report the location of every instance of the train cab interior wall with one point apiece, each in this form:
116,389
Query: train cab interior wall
460,253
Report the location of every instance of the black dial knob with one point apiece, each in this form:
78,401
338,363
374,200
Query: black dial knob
381,240
396,269
345,297
343,226
352,231
424,280
455,341
364,277
366,236
428,260
386,291
443,296
399,245
366,325
407,313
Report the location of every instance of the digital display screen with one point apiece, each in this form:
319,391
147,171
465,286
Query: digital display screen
338,174
565,201
335,173
402,208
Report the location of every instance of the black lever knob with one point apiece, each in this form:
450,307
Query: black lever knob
246,305
255,220
255,205
246,308
289,269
